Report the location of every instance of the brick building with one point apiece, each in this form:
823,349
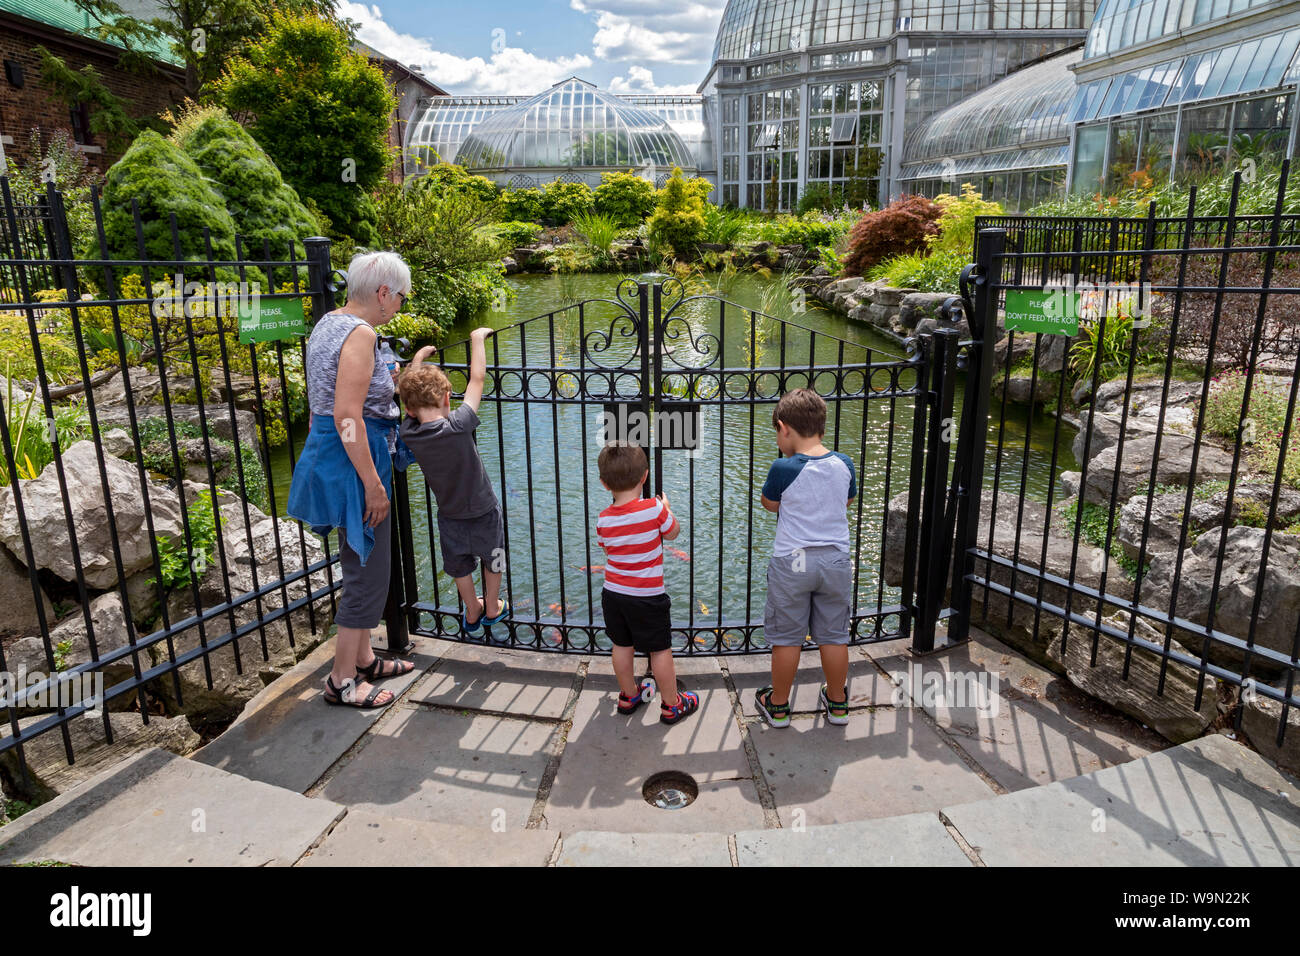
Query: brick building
26,103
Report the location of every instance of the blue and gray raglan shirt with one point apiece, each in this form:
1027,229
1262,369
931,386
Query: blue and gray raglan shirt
814,494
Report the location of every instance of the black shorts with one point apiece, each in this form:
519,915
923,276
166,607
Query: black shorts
642,623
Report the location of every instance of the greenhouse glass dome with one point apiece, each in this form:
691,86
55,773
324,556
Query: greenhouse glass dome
571,132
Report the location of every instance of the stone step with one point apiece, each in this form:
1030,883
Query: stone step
1210,802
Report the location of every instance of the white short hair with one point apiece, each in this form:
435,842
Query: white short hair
368,271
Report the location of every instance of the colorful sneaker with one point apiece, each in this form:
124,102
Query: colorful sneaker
777,715
837,711
630,705
688,702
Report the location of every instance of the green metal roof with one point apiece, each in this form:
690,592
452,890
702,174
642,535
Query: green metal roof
66,15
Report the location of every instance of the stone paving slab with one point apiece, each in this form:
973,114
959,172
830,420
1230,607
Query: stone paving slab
145,810
288,736
607,758
522,683
597,848
867,686
1024,725
915,839
454,768
882,763
1210,802
365,837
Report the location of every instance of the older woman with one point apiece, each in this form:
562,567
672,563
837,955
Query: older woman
343,479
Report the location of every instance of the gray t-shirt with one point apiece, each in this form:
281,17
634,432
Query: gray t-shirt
449,459
323,349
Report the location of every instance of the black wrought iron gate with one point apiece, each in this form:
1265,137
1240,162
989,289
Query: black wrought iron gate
699,374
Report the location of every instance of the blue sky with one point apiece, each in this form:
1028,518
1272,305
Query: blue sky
523,46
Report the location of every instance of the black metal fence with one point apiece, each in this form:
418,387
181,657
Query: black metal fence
146,452
702,373
1164,557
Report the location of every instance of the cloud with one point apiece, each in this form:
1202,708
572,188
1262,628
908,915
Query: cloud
499,73
640,79
668,31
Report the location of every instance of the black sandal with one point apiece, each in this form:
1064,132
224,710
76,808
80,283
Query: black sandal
340,695
374,670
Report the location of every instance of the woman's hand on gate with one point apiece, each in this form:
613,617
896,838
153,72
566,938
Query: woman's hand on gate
376,505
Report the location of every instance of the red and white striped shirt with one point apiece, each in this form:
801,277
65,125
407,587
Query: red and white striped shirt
634,555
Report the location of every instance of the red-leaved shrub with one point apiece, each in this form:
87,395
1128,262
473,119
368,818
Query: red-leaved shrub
897,230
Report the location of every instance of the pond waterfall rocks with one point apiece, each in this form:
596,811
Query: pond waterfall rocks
255,552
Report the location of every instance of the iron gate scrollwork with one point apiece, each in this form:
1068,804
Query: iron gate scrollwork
694,371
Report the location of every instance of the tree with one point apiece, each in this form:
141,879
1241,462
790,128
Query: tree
199,34
262,205
321,111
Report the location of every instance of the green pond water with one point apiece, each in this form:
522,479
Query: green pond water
541,454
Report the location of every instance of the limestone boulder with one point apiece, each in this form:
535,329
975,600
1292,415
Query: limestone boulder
18,599
1133,463
42,500
1232,602
1170,709
1260,719
252,558
71,641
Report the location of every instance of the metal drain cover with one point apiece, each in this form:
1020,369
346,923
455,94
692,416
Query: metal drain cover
670,790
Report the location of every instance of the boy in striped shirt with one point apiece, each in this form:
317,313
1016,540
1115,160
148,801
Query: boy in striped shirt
636,606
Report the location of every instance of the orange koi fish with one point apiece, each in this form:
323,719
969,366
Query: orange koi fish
679,554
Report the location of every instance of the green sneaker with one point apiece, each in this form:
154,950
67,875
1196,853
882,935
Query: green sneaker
837,711
777,715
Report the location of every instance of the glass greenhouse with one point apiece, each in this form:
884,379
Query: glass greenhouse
573,131
1225,95
1011,140
821,94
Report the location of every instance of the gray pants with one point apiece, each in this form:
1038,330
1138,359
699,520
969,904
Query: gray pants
365,589
808,594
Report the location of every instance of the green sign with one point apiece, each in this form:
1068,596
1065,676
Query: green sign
1052,313
266,320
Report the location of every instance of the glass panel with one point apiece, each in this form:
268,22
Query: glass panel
1123,159
1260,129
1203,143
1089,159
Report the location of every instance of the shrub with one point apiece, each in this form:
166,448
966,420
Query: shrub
899,228
940,272
957,220
678,219
564,202
515,233
816,196
157,173
700,186
625,197
1264,421
448,177
262,205
1113,346
522,205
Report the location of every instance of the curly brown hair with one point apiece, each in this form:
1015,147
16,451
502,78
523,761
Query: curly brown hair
423,386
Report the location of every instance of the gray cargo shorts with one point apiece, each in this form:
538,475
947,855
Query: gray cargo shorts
467,541
808,594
